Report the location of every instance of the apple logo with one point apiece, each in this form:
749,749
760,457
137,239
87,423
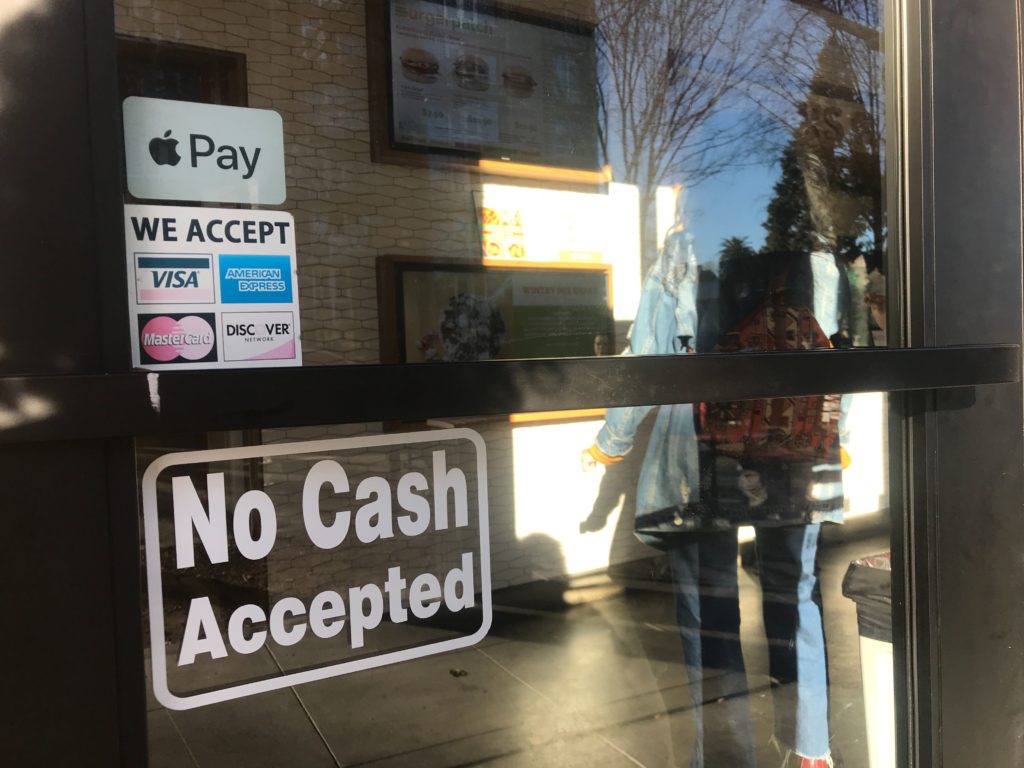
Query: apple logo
164,151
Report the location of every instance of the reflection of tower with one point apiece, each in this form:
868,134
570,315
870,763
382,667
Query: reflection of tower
839,153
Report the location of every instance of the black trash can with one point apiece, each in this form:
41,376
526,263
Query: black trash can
868,582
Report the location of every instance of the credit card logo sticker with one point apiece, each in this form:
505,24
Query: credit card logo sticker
258,336
173,279
205,263
177,338
255,279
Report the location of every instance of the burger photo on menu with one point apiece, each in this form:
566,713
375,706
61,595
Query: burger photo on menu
518,81
472,73
419,65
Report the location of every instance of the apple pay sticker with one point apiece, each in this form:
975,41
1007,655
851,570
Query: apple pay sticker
181,150
333,557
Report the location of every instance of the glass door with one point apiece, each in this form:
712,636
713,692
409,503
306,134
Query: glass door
646,584
529,384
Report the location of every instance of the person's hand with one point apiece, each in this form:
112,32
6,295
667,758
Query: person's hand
593,456
845,460
594,522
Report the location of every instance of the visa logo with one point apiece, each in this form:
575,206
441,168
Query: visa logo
174,279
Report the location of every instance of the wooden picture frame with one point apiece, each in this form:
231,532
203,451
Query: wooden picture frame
444,288
166,70
180,72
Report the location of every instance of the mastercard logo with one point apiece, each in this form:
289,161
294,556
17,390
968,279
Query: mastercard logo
171,338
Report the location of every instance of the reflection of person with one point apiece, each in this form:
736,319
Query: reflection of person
602,344
774,464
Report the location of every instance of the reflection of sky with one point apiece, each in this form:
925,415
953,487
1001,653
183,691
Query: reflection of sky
746,129
731,204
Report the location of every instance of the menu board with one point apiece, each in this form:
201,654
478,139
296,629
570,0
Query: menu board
480,81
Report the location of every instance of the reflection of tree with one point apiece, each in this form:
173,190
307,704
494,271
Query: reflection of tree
788,226
690,87
670,72
735,247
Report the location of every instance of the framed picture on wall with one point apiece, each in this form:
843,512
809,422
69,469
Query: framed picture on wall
434,311
165,70
465,82
160,69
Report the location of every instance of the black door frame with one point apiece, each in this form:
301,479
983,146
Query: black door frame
963,461
70,405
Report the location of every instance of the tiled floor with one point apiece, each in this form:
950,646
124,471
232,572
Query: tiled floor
584,675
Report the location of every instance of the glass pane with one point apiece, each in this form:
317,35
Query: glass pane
518,590
418,180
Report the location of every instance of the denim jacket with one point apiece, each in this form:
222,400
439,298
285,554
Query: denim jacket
670,482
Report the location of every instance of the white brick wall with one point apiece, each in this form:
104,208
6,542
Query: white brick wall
306,59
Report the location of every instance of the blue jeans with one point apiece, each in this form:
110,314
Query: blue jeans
705,580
